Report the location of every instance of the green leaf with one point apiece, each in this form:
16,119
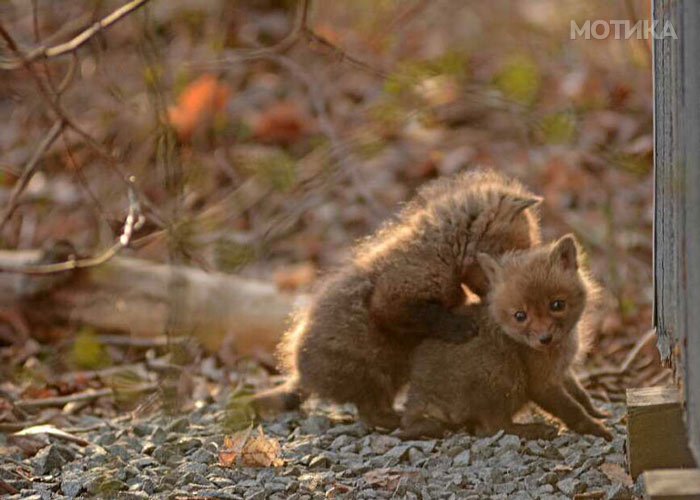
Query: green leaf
520,79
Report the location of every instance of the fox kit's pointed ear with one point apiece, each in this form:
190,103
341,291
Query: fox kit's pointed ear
516,204
565,252
492,269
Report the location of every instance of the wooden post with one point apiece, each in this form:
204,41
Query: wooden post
677,197
657,438
672,484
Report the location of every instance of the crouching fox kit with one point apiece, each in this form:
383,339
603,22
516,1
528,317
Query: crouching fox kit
402,285
528,337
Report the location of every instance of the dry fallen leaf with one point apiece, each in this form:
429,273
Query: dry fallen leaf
387,479
262,451
198,104
616,474
282,123
256,451
232,447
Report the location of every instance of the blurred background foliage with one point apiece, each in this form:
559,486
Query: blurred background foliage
272,165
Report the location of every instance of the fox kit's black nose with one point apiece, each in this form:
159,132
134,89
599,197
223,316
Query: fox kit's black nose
546,339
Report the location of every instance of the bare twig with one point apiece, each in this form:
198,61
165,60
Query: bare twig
46,52
662,377
342,54
291,39
134,220
146,343
53,103
8,488
54,432
31,404
29,170
101,374
624,367
80,397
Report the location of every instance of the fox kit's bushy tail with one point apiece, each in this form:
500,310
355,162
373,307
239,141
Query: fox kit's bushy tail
285,397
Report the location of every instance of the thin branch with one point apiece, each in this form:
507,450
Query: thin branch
53,103
289,41
80,397
342,55
8,488
624,367
91,395
134,221
30,169
44,52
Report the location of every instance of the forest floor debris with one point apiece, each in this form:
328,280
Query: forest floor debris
325,454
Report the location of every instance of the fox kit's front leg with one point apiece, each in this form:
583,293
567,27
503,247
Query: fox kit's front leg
555,400
574,387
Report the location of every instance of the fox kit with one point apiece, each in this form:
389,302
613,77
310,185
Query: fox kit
528,337
402,285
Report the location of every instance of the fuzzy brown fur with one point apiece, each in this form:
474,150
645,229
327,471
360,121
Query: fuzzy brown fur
404,284
481,384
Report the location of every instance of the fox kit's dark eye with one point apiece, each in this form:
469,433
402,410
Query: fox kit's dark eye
557,305
520,316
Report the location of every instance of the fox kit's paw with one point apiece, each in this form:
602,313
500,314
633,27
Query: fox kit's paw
598,412
422,428
596,429
534,431
388,420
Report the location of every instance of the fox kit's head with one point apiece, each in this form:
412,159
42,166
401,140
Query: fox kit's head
537,296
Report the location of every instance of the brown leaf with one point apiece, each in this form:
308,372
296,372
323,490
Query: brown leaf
262,451
282,123
616,474
256,451
387,479
232,447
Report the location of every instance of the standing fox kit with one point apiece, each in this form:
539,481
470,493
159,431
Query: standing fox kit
402,285
528,337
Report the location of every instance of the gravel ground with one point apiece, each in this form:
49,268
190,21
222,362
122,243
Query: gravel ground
324,457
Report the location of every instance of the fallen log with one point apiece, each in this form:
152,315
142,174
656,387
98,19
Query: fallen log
147,299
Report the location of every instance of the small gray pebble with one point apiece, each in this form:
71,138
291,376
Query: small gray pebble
548,478
509,442
315,425
179,425
571,486
463,459
618,492
47,460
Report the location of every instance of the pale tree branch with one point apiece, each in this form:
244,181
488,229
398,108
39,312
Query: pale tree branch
47,52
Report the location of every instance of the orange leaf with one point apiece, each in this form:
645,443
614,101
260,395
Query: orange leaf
198,104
